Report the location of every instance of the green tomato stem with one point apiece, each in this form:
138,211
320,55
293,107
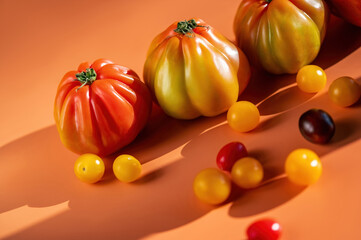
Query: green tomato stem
185,27
86,77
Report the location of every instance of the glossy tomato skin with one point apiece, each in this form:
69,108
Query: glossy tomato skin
264,229
317,126
311,79
281,36
344,91
200,73
247,173
243,116
212,186
127,168
229,154
105,115
89,168
303,167
350,10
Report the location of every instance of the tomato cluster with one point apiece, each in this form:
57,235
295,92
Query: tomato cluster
316,125
90,168
192,70
213,186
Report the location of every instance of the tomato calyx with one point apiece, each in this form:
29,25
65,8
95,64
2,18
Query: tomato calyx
186,27
86,77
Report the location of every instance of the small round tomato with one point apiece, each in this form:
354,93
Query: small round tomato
264,229
303,167
212,186
311,78
243,116
344,91
316,126
127,168
247,172
89,168
229,154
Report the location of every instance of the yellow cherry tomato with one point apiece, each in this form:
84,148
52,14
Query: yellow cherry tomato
89,168
247,172
344,91
303,167
243,116
212,186
127,168
311,79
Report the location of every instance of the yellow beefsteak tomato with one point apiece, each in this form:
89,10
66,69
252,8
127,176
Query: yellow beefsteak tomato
193,70
281,35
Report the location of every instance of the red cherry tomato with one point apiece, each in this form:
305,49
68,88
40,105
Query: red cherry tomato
229,154
264,229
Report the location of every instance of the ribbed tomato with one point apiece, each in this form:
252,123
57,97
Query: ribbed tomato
350,10
193,70
100,107
281,35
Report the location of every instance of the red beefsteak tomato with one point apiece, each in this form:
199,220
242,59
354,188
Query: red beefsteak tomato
281,35
100,107
350,10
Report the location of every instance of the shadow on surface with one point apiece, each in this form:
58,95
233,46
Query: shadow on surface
283,101
270,143
341,40
38,170
163,133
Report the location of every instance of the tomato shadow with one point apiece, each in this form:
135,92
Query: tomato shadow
33,170
341,39
283,100
263,84
270,143
162,133
38,171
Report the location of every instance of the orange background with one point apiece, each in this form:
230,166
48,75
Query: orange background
40,198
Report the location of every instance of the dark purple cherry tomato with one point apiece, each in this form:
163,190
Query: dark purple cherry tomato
229,154
316,126
264,229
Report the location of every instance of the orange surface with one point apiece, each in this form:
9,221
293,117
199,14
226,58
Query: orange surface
40,198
